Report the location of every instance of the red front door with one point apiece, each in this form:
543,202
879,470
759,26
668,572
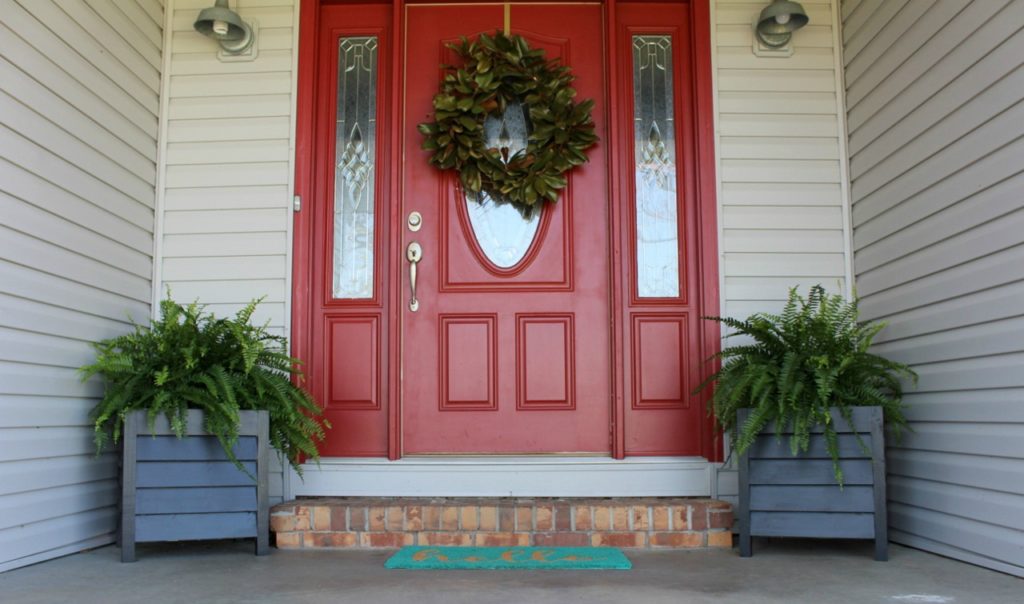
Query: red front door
508,350
578,332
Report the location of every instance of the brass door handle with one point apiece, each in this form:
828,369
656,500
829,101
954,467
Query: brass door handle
413,253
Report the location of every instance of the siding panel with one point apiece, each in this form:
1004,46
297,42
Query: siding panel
79,88
781,197
877,23
77,123
91,103
41,224
966,39
139,108
936,136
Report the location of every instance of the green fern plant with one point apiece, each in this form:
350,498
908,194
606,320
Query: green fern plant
799,364
189,359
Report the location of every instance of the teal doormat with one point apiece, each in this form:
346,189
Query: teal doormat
513,558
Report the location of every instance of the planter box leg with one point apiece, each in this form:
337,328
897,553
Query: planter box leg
881,548
263,487
745,546
127,533
744,508
880,498
127,550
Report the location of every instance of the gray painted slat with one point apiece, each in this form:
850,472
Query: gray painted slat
809,524
248,423
195,500
770,446
861,421
826,498
185,527
194,474
811,471
206,448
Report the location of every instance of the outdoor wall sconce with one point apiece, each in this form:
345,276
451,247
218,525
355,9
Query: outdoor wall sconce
224,25
774,28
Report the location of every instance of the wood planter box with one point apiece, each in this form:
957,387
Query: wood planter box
786,496
188,489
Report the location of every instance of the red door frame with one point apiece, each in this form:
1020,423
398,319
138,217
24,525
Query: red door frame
706,206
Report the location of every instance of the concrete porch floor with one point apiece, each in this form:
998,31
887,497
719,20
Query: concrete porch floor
788,571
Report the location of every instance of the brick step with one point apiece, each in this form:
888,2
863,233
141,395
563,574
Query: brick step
388,522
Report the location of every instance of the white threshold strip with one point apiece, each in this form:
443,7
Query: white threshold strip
506,476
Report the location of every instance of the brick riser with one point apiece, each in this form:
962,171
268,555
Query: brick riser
662,523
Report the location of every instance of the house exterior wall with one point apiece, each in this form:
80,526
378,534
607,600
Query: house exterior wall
226,205
935,92
781,146
225,213
79,108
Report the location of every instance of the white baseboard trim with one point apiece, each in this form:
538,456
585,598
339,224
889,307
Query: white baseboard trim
506,476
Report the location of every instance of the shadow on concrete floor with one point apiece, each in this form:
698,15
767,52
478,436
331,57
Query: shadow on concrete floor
789,571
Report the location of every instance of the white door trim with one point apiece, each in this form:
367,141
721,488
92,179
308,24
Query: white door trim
506,476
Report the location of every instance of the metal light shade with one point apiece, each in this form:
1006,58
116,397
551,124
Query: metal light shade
778,21
224,25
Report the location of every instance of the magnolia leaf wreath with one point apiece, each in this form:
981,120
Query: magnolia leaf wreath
498,71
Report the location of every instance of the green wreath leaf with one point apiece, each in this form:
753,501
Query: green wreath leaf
497,70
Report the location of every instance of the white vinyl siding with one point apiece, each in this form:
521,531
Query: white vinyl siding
779,123
226,206
783,213
936,116
79,106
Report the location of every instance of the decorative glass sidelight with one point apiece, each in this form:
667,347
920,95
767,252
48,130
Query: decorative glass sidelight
503,233
355,156
657,220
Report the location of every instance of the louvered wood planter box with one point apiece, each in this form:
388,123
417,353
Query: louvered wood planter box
188,489
786,496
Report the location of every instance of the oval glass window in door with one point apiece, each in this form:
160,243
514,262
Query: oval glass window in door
503,233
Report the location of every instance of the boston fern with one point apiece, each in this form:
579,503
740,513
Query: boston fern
188,359
797,366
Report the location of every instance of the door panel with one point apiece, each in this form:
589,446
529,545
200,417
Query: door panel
506,359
